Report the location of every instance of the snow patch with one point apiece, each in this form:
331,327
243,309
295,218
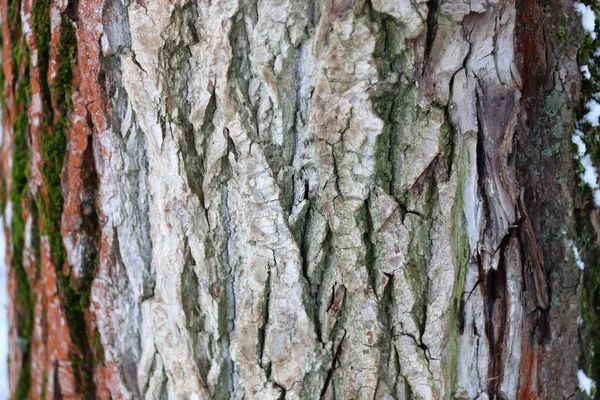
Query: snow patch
586,384
590,174
25,27
104,44
578,259
594,114
588,18
585,70
8,213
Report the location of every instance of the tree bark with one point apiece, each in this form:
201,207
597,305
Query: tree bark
346,199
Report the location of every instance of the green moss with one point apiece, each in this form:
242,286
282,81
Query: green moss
24,382
75,294
2,197
393,98
19,190
461,251
44,387
419,253
40,16
53,144
562,32
446,140
98,348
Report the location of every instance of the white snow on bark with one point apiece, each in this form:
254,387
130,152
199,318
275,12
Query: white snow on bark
578,259
588,18
594,112
590,174
585,70
585,384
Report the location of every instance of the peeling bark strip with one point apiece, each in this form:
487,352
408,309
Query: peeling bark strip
289,199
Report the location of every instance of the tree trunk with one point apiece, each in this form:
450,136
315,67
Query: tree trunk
341,199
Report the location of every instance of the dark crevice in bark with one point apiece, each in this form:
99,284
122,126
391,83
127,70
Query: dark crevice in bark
90,225
336,171
338,292
300,102
333,367
282,391
369,240
318,290
461,309
481,157
493,282
302,237
534,258
449,141
227,306
194,315
431,29
426,176
495,298
389,355
239,73
262,329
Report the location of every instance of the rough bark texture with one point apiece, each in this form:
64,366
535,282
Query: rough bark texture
339,199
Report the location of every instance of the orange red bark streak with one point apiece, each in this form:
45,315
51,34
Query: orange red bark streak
52,348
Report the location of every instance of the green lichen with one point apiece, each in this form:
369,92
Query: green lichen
461,250
393,98
419,252
553,109
554,105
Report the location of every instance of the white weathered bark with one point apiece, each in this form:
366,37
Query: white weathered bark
310,200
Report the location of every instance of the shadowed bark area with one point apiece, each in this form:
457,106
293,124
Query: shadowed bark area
346,199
